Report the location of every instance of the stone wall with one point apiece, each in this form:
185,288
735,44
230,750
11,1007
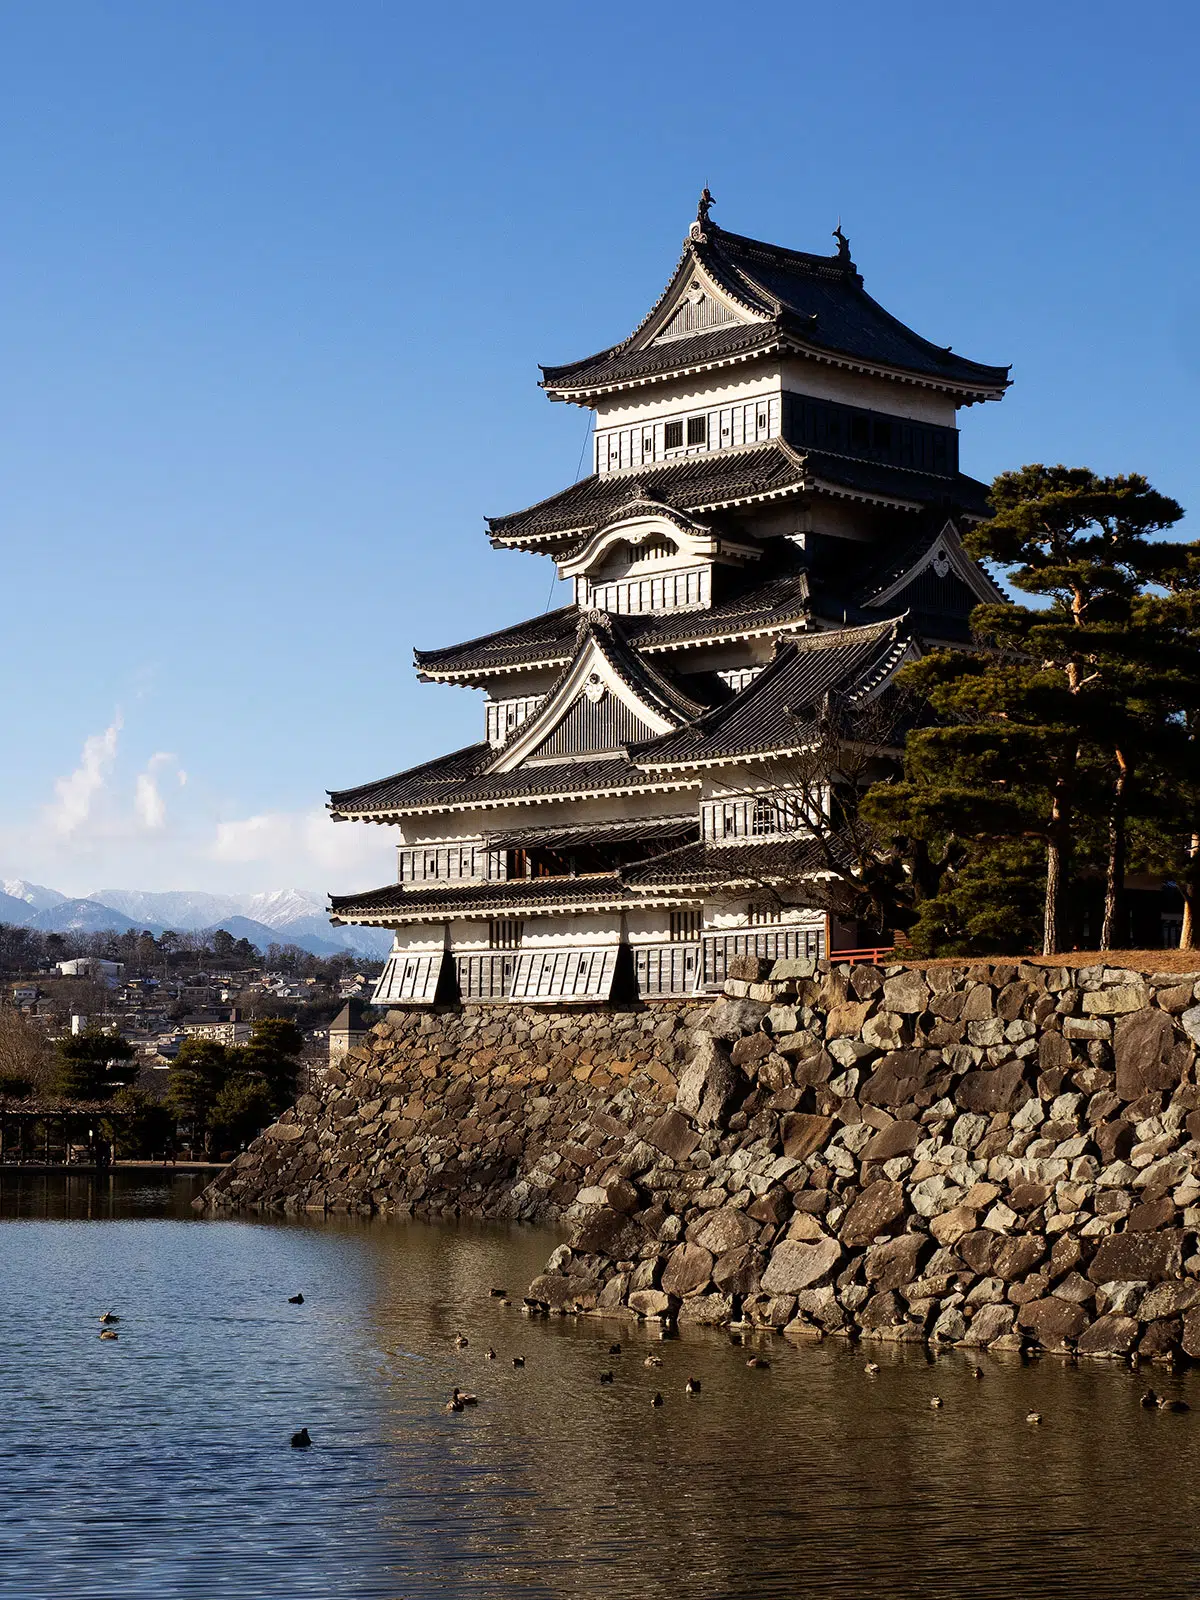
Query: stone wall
491,1111
992,1155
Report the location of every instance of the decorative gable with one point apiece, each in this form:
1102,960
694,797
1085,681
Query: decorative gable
606,697
940,577
696,313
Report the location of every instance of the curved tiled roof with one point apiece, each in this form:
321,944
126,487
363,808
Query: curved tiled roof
394,902
719,479
712,866
549,641
816,302
461,780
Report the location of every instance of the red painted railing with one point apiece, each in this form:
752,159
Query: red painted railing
873,954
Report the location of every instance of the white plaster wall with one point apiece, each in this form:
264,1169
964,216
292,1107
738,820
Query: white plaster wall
802,375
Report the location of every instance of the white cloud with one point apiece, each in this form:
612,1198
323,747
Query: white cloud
76,793
297,846
149,807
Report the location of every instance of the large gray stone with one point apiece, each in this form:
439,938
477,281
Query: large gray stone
794,1265
1143,1046
879,1206
730,1019
709,1084
1146,1257
688,1270
723,1230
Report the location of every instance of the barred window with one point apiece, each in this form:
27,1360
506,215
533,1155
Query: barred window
762,912
673,436
685,926
765,818
504,933
697,430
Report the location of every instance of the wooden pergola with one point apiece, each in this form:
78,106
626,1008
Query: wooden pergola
44,1129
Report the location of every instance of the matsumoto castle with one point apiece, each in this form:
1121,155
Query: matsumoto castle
772,519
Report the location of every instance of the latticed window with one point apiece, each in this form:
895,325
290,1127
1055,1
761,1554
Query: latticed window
765,817
697,430
504,933
673,436
685,926
762,912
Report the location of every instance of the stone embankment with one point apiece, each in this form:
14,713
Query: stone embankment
993,1156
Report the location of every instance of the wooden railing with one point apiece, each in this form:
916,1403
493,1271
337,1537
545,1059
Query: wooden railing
873,953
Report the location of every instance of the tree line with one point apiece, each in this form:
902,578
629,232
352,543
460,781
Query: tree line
218,1096
29,950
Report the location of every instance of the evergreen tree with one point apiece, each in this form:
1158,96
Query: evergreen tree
93,1065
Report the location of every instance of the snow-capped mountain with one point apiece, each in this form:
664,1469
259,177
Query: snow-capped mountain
276,916
33,894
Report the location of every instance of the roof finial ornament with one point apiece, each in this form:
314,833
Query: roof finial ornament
696,231
843,250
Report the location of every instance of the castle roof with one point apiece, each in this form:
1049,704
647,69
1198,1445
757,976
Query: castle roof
774,714
724,480
462,780
549,641
695,867
770,298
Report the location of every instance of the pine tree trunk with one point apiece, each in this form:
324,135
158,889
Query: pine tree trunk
1190,890
1057,846
1114,887
1054,873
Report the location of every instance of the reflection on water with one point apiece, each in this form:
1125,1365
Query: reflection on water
159,1464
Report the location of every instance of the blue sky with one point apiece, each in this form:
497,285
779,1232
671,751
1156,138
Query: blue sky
277,274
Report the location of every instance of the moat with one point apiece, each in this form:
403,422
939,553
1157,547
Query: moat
159,1463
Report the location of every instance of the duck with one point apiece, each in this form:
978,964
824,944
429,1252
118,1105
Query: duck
657,1400
614,1349
461,1341
454,1403
301,1440
1034,1417
518,1361
489,1354
652,1361
1172,1405
976,1372
936,1403
466,1399
758,1361
1149,1400
499,1294
107,1333
692,1386
606,1377
872,1369
109,1317
295,1299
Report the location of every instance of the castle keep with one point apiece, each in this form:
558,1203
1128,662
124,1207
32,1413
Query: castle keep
771,527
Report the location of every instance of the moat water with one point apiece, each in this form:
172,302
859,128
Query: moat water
159,1464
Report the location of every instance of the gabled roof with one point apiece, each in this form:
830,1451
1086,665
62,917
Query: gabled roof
940,545
721,480
548,641
810,303
652,699
770,715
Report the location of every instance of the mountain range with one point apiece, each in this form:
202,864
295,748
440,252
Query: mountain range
278,916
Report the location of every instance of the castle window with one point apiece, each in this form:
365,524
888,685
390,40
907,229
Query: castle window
504,933
685,926
697,430
673,436
765,818
761,912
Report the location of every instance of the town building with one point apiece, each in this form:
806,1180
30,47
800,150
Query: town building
771,527
347,1030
